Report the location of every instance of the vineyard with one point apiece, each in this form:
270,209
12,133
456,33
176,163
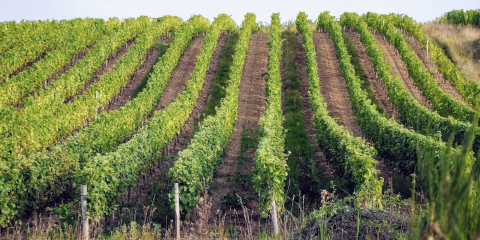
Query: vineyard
295,125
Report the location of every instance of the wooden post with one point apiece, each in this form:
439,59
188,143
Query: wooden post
83,194
177,210
427,46
274,212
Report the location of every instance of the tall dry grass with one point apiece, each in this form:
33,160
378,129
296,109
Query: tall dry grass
461,43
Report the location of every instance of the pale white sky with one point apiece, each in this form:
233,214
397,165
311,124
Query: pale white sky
420,10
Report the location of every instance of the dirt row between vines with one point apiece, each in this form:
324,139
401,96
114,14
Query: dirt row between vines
327,168
380,93
251,106
377,86
334,91
398,68
154,183
432,67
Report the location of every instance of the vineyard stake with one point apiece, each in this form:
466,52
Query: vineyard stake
83,195
177,210
274,212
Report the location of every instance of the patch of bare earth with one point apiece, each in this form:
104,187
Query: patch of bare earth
181,74
332,84
251,106
386,171
326,167
398,68
432,67
377,84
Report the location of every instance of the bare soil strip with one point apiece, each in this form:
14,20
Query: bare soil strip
398,68
377,86
380,92
251,106
327,168
332,84
152,188
432,67
181,74
135,81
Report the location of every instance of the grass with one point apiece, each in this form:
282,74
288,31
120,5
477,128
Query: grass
221,77
360,72
300,159
460,43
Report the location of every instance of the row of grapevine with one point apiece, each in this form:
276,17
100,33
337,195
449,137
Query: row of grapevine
110,175
80,36
13,34
196,164
37,172
399,146
46,36
471,17
412,113
469,89
21,127
351,157
270,160
442,102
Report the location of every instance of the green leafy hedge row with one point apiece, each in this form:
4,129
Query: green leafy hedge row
196,164
109,176
397,145
412,113
469,89
270,160
43,37
43,176
79,37
442,102
21,132
351,157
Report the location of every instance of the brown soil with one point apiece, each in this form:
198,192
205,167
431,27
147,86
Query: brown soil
181,74
386,171
398,68
377,85
432,67
332,84
79,56
136,80
105,69
251,106
326,167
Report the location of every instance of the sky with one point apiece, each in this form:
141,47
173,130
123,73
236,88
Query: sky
420,10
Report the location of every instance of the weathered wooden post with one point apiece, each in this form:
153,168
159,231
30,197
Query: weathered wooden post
177,210
83,194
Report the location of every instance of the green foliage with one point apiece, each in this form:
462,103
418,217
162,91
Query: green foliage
221,76
470,90
350,156
360,72
111,174
35,174
78,37
442,102
195,165
270,166
412,113
470,17
399,146
303,168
